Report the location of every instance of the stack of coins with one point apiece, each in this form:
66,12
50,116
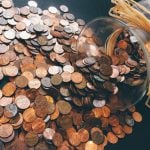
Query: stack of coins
52,98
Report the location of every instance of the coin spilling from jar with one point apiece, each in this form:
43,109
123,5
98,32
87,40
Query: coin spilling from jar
51,98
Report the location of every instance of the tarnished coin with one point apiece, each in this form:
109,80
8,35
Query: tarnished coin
22,102
21,81
31,138
10,110
56,80
63,107
97,137
57,139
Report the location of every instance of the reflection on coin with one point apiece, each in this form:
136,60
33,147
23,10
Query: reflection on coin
49,133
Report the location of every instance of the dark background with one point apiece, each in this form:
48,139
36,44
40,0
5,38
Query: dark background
88,10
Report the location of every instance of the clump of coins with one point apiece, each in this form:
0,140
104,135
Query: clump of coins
50,98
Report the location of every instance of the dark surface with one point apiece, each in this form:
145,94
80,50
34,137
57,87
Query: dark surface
88,10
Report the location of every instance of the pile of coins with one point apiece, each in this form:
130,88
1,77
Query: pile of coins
50,97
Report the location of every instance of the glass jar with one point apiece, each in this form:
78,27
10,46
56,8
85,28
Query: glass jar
92,44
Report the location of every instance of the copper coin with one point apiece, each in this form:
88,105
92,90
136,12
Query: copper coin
76,77
127,129
38,125
42,145
117,129
105,111
21,81
56,113
29,115
74,139
49,133
27,126
97,137
56,80
64,107
22,102
57,139
9,89
84,135
113,120
20,26
41,72
31,138
90,145
66,76
8,139
10,71
113,139
97,112
137,116
4,119
6,130
29,75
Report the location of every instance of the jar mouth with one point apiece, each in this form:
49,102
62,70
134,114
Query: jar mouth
104,26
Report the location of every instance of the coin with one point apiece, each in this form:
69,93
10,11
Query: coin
56,80
21,81
32,3
127,129
38,125
22,102
9,89
31,138
76,77
74,139
64,8
7,4
49,133
84,135
137,116
90,145
97,137
10,34
63,107
6,130
41,72
34,84
10,110
4,101
112,138
10,71
57,139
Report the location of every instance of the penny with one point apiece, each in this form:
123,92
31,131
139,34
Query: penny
76,77
6,130
65,122
74,139
137,116
56,113
105,111
34,84
112,138
10,110
21,81
9,89
127,129
20,26
84,135
90,145
57,139
117,129
4,101
41,72
113,120
49,133
4,119
22,102
28,75
27,126
31,138
42,40
63,107
38,125
8,139
66,76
